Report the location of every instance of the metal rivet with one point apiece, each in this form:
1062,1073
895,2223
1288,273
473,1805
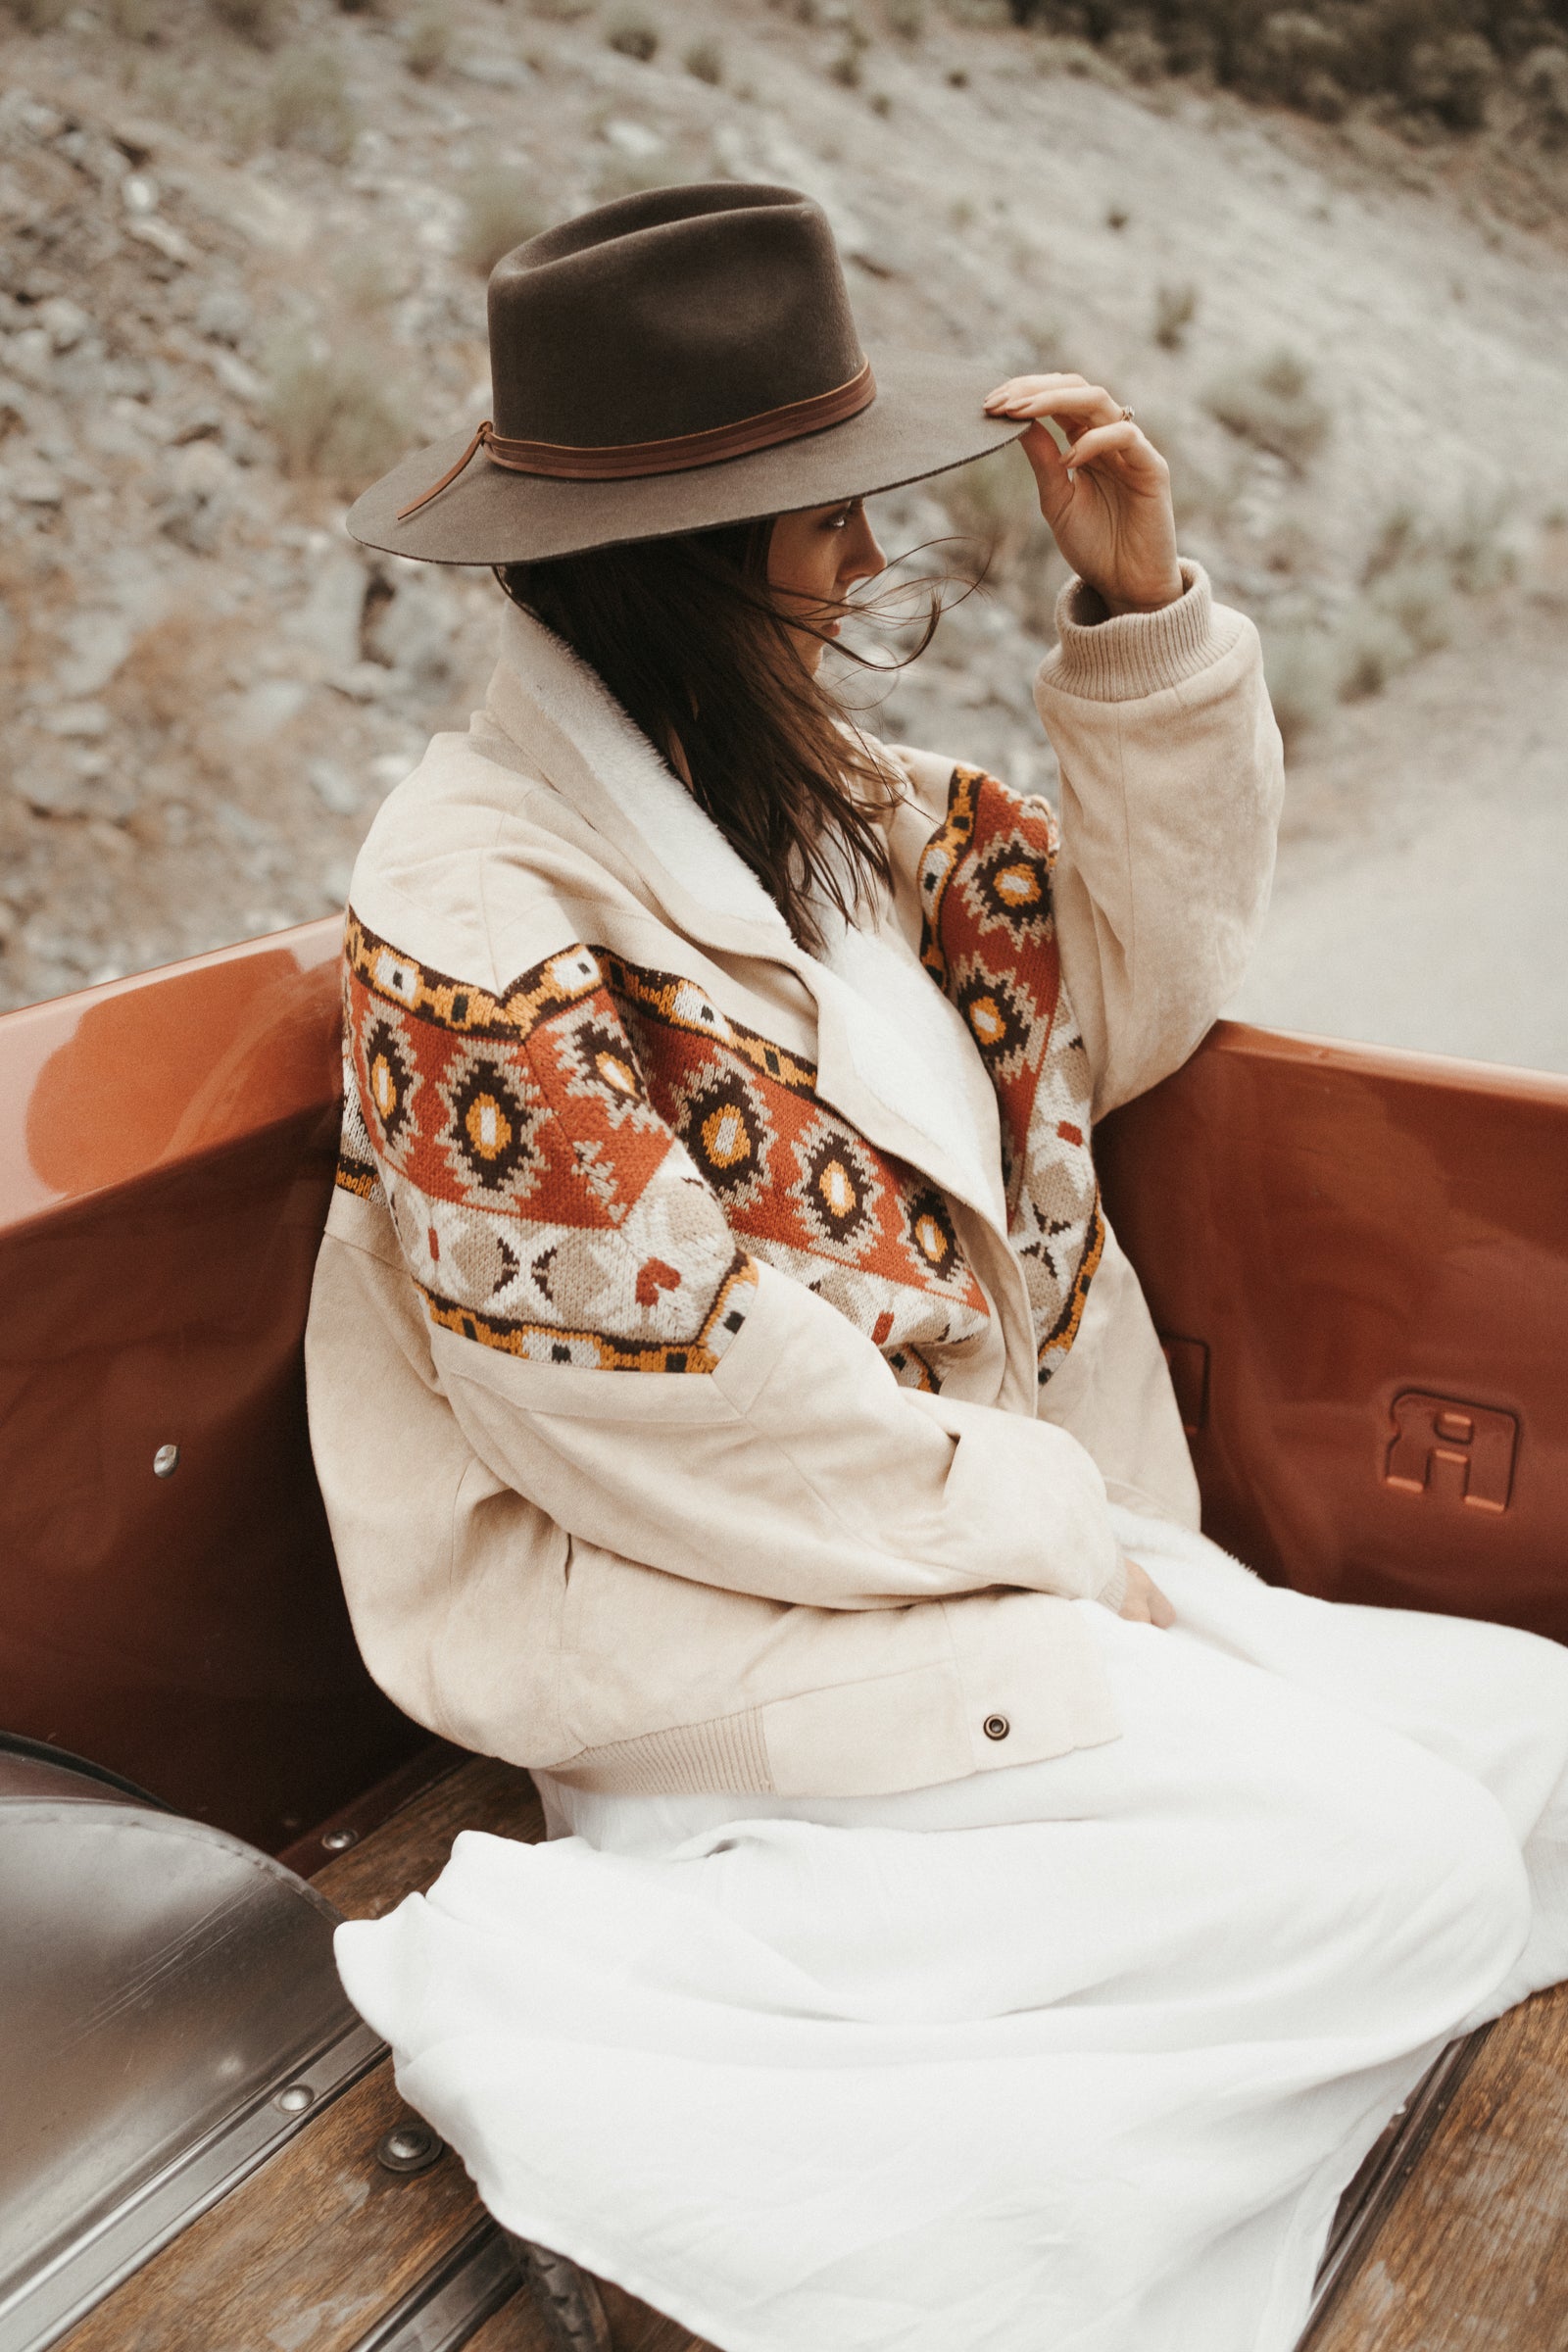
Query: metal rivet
295,2101
410,2148
165,1461
997,1727
338,1841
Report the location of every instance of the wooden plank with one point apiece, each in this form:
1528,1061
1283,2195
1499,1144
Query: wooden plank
1474,2254
411,1849
323,2242
308,2253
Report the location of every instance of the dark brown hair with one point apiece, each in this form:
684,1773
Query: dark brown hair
702,656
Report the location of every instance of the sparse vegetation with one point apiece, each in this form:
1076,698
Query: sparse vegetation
705,62
907,19
499,209
632,32
1175,309
846,68
1301,664
1450,68
306,103
427,43
332,412
634,175
258,20
1273,406
134,20
1417,572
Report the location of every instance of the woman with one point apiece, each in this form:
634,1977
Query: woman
978,1912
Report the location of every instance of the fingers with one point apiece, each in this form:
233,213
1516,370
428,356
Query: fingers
1123,439
1073,400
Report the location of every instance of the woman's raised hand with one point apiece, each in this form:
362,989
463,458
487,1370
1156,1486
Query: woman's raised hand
1107,499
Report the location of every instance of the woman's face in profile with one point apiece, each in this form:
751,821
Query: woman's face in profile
814,558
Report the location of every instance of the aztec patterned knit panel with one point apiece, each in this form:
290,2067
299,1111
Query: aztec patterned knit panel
584,1169
988,938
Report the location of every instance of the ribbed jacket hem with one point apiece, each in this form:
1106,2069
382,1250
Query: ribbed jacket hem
727,1754
1121,658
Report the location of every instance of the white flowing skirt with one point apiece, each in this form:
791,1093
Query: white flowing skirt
1072,2057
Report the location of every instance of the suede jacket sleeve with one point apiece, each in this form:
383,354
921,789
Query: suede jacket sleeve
613,1354
1172,777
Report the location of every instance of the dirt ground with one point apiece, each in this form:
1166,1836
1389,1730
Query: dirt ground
224,305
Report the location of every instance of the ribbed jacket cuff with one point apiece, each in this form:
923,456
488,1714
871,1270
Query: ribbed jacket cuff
1120,659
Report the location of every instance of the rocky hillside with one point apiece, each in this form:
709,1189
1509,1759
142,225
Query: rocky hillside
244,248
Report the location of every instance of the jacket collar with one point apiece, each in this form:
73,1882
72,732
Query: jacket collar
886,1047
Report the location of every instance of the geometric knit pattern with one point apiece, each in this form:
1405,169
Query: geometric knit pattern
586,1167
988,938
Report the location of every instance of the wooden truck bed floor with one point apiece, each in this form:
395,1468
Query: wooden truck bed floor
324,2250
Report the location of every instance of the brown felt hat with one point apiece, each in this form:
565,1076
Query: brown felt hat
667,363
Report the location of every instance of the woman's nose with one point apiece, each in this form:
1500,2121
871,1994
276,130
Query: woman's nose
863,558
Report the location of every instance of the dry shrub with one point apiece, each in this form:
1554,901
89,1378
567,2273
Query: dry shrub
1138,53
1273,406
37,16
907,19
258,20
1302,667
332,412
632,32
1175,309
1542,83
501,209
367,279
705,62
427,44
992,504
308,105
135,20
633,175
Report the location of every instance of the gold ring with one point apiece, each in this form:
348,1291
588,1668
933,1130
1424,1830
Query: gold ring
1128,415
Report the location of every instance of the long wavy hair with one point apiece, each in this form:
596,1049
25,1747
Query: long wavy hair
705,658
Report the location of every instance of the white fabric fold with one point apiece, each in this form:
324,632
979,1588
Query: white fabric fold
1076,2054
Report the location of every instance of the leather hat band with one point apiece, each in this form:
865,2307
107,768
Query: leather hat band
624,460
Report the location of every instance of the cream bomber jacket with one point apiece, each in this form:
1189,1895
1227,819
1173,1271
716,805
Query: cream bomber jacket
719,1365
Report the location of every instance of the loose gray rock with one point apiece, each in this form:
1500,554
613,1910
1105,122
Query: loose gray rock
224,316
333,786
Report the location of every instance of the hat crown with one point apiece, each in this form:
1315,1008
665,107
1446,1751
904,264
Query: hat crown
668,313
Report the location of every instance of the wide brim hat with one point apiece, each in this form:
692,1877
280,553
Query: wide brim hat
668,363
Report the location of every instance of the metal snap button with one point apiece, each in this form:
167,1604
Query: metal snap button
410,2148
997,1727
